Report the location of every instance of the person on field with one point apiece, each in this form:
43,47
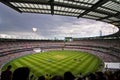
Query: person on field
7,74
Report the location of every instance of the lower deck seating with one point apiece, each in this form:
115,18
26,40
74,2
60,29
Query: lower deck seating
14,49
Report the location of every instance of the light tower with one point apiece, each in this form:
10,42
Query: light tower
100,33
113,28
71,33
34,31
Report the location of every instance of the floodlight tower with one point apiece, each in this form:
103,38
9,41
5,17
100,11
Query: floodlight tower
71,33
113,27
100,33
34,30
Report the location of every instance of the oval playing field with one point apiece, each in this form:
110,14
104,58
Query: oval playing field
58,62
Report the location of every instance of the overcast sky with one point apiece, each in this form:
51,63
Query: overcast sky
48,26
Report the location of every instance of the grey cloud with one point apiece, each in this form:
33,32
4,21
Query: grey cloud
48,26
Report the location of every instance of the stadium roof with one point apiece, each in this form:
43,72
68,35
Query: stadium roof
101,10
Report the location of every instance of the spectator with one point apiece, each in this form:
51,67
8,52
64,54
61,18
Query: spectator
79,78
57,77
41,78
68,76
100,76
32,77
46,77
7,74
21,73
92,76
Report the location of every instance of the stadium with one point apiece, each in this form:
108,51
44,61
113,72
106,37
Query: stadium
52,57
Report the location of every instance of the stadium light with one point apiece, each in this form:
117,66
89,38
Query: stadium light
113,27
34,29
34,32
71,33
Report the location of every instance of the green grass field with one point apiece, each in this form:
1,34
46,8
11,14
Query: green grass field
58,62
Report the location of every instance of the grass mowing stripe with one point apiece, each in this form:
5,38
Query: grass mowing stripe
57,62
82,59
41,62
88,64
93,66
70,67
37,63
52,69
71,59
38,66
84,63
34,70
47,69
64,66
80,68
